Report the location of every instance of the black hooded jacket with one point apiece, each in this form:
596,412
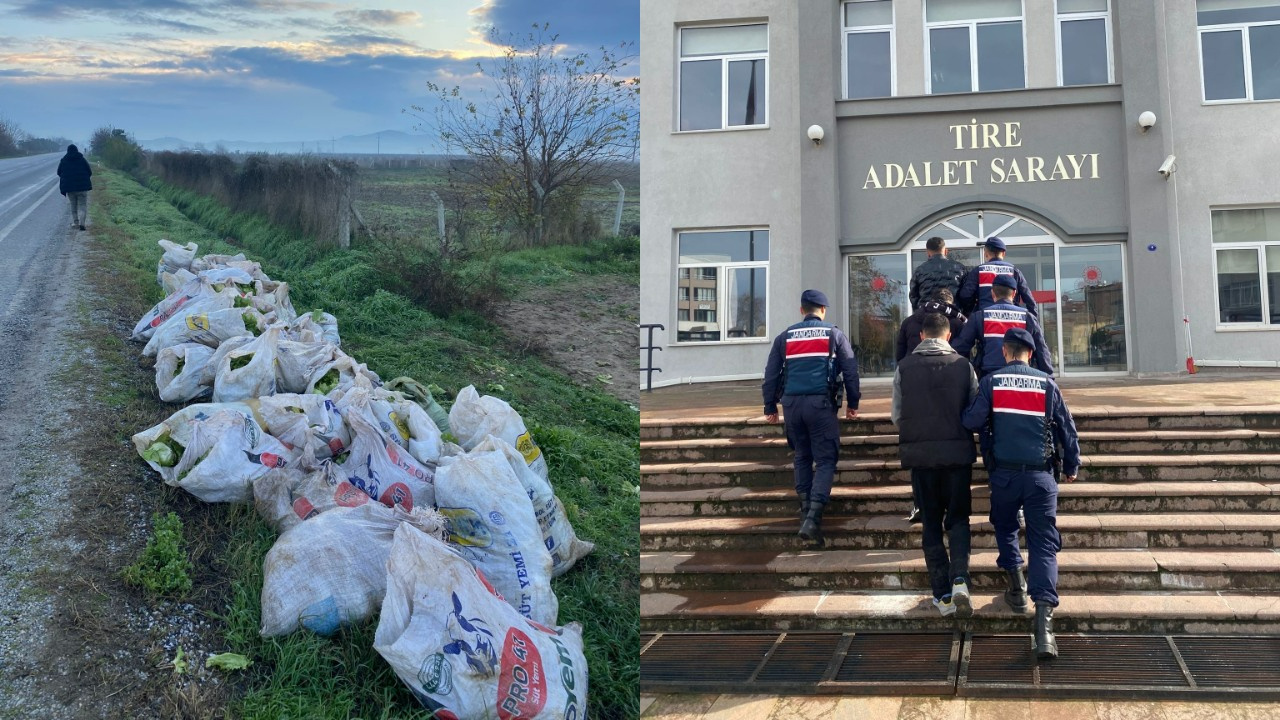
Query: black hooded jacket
74,172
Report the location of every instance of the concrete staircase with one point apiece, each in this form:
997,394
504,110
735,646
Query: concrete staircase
1172,527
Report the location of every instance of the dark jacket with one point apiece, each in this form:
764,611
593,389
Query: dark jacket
934,274
931,389
1019,413
909,332
73,173
802,350
986,330
975,290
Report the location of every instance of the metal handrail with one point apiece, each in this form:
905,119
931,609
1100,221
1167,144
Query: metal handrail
650,370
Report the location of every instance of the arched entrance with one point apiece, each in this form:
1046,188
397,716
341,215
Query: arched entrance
1079,288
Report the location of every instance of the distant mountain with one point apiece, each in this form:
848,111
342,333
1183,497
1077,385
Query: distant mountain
387,142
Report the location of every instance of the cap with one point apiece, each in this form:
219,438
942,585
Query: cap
813,298
994,243
1005,280
1020,336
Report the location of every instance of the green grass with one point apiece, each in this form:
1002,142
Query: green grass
590,439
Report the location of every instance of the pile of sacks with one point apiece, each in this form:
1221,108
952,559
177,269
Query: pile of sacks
454,544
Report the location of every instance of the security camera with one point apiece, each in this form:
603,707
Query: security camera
1168,167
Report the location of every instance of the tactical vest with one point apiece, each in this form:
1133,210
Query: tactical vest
808,347
1020,416
930,432
996,321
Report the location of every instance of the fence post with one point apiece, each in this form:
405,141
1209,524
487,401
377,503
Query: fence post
344,207
439,215
617,214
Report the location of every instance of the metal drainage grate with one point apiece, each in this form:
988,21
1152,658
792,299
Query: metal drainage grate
801,663
1232,662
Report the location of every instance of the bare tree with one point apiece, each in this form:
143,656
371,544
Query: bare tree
548,124
10,136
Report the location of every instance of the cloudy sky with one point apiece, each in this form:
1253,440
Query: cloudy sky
259,70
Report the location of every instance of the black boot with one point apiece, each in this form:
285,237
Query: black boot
1046,645
804,505
811,528
1016,595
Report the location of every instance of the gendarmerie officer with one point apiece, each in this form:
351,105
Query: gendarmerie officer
974,291
1022,421
987,328
807,364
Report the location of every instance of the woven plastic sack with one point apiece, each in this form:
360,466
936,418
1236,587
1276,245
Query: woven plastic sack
176,257
227,452
462,651
557,534
206,328
419,393
212,261
492,522
310,424
180,371
248,371
473,418
384,471
297,362
172,282
198,295
403,422
284,499
163,444
341,374
332,569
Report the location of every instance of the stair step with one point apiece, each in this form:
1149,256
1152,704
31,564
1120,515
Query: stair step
1097,570
1079,497
1179,442
806,610
881,532
1086,419
1099,468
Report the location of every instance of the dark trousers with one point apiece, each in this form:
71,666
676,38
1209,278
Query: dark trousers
945,500
1036,493
813,432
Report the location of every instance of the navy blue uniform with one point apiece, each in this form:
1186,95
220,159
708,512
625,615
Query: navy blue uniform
799,361
1019,414
986,329
975,289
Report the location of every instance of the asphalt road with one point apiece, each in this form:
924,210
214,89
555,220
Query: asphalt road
35,247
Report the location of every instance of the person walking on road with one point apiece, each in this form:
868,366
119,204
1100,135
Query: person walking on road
938,272
808,364
986,329
932,387
975,291
74,183
1024,428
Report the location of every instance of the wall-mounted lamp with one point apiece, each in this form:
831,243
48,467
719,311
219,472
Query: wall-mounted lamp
816,134
1146,120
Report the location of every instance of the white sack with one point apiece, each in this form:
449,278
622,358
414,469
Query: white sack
176,257
473,417
310,424
382,470
465,653
557,534
340,374
284,499
403,422
206,328
226,454
492,522
172,282
332,569
179,371
297,362
256,378
161,445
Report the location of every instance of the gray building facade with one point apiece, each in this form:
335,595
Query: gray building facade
1125,151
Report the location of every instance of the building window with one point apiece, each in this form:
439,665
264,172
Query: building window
974,45
868,49
1246,249
1084,42
1239,49
723,73
726,274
